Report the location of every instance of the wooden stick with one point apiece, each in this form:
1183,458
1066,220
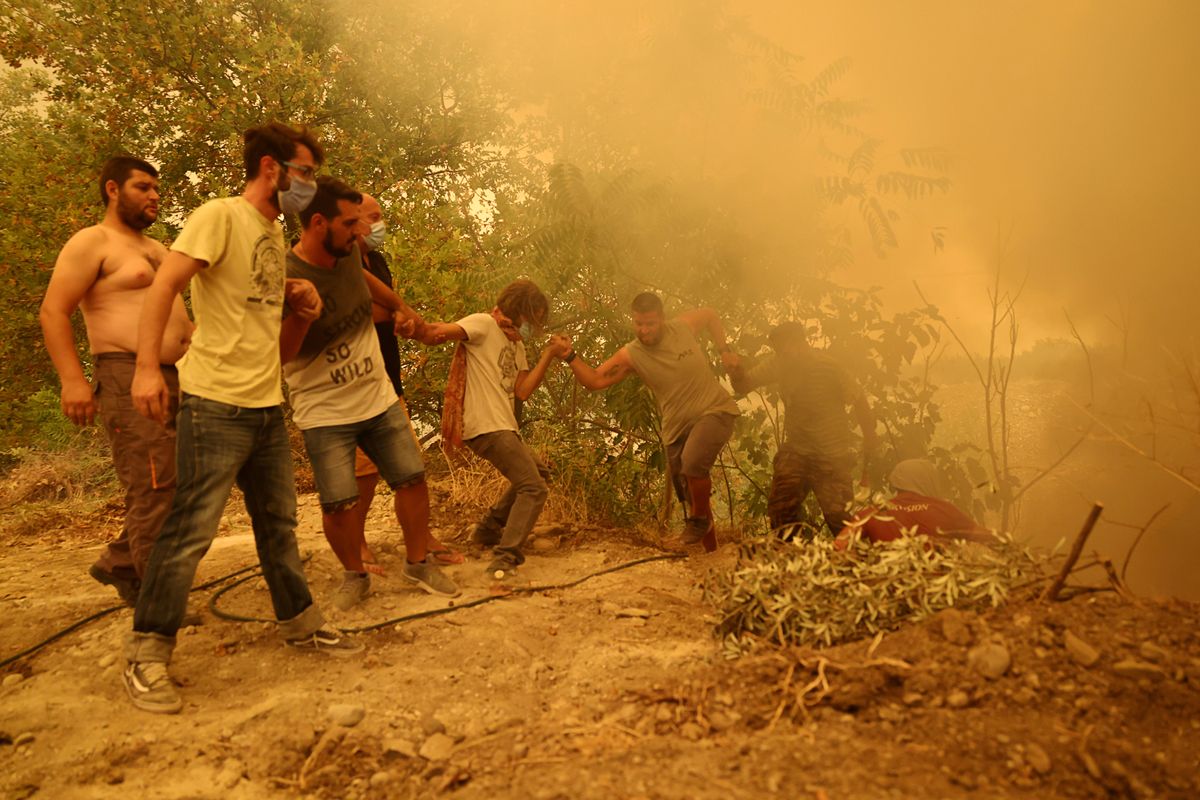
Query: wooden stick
1051,593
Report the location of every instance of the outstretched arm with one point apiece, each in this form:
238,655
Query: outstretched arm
76,269
707,320
408,321
760,372
612,371
440,332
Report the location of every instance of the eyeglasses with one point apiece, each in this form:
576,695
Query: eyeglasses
305,171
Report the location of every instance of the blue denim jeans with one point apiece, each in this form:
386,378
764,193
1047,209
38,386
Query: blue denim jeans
216,444
387,439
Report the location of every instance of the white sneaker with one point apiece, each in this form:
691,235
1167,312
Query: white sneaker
150,687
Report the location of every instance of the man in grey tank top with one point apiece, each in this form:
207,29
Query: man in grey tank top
697,412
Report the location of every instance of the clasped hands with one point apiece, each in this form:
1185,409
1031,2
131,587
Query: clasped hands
560,345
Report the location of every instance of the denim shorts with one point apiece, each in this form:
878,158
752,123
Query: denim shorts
387,439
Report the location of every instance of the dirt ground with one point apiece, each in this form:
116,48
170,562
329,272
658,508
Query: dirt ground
612,688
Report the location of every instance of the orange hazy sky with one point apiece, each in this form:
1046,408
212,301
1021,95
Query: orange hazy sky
1074,126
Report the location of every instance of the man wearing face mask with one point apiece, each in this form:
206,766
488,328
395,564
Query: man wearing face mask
106,270
372,230
342,400
230,423
488,371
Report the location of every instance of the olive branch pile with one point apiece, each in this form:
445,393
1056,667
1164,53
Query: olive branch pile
807,593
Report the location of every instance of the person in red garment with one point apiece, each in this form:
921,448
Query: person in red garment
916,509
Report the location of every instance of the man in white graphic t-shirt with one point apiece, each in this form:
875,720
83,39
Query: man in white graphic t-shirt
342,398
491,370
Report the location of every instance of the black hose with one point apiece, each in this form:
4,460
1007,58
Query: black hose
104,613
55,637
434,612
217,612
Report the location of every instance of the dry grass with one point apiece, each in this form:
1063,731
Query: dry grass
65,495
76,496
63,477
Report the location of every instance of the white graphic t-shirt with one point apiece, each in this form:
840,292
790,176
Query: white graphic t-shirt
337,377
492,366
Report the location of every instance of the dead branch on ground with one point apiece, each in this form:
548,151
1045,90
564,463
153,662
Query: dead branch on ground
1053,589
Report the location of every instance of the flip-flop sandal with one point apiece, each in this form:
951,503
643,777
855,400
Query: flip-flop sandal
371,568
446,557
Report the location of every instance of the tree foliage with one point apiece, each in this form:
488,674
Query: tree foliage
404,113
685,153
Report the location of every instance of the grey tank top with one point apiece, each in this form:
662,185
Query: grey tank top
678,373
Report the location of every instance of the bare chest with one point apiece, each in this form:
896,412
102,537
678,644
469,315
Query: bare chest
127,267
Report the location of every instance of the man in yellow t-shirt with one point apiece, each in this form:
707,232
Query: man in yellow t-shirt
230,423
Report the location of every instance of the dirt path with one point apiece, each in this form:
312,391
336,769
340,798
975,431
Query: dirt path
613,688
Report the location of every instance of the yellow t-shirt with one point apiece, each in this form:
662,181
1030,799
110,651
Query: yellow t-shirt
237,301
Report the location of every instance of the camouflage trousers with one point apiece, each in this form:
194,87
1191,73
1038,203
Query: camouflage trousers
796,474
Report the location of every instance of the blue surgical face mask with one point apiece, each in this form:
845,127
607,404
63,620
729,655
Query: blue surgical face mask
297,196
374,239
525,329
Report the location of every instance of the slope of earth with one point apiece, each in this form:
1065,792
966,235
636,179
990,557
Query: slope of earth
613,687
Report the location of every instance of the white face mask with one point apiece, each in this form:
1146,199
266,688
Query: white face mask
525,329
297,196
374,239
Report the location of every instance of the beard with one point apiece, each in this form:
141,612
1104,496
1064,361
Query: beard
138,217
337,252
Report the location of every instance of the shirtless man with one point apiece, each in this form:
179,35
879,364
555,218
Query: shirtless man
105,270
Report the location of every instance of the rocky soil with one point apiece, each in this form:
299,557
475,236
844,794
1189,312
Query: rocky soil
613,687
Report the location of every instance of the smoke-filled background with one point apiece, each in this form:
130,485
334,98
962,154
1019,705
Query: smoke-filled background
1069,131
1073,127
1070,127
770,159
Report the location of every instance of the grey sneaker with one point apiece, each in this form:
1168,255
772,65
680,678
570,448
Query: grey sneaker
127,588
150,688
327,641
430,578
354,589
502,568
487,533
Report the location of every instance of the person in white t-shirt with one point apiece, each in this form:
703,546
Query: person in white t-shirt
490,370
342,397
